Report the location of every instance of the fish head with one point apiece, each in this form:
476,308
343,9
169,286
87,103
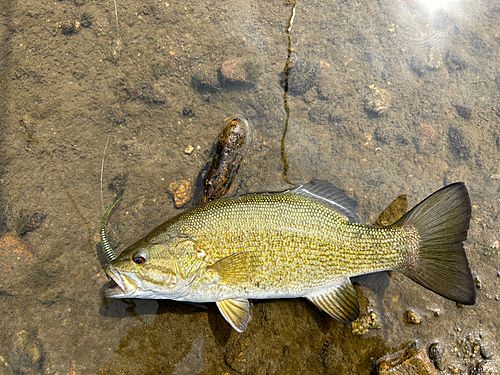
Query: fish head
156,269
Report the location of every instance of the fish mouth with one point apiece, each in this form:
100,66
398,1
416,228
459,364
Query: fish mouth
120,285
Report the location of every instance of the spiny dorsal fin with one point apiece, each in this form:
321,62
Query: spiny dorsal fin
323,191
393,212
236,268
236,312
341,302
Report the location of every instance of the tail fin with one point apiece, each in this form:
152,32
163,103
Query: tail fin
442,221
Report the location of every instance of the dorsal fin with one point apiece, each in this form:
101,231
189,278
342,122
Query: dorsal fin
323,191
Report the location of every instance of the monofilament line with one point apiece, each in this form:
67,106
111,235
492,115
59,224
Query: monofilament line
102,172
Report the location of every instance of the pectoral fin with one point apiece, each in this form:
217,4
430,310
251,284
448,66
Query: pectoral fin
237,268
236,312
341,302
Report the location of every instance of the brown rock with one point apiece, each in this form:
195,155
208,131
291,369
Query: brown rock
412,317
16,256
377,101
181,191
237,73
11,246
412,360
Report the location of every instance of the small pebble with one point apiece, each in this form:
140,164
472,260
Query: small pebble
187,112
412,317
436,354
485,351
118,183
377,101
463,112
70,27
86,20
26,355
32,222
477,282
457,143
365,323
189,150
181,191
454,62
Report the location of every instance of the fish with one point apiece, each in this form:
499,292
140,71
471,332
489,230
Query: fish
306,242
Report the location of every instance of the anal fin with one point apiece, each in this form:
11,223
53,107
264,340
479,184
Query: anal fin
236,312
341,302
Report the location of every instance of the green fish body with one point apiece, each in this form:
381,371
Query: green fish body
306,242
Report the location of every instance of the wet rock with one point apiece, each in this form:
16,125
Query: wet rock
31,223
437,312
181,192
300,76
86,20
427,135
204,80
237,74
3,221
5,368
365,323
319,115
412,317
483,368
377,100
422,65
69,27
463,112
477,282
436,354
13,248
236,356
410,360
457,145
17,258
187,112
192,363
144,91
454,62
28,124
26,354
485,351
117,184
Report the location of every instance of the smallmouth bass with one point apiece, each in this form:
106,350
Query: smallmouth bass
305,242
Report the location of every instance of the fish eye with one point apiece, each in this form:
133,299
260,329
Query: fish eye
139,258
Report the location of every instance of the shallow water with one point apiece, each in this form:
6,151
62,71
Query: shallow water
73,72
